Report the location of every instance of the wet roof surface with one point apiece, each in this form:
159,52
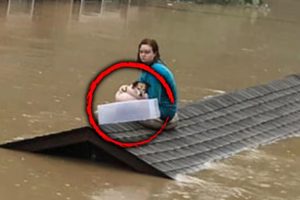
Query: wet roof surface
208,130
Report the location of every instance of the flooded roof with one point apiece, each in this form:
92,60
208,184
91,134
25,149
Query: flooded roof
208,130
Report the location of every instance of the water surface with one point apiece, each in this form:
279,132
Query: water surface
51,50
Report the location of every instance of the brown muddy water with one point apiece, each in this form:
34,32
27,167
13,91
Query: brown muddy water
51,50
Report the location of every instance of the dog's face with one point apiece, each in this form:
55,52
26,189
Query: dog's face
140,87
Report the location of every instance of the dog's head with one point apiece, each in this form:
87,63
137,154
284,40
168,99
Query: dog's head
141,87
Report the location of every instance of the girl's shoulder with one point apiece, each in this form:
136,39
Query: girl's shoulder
160,67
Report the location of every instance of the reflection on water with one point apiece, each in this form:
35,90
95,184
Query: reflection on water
86,9
98,8
225,2
78,9
50,51
24,8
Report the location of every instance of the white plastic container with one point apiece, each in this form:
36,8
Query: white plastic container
127,111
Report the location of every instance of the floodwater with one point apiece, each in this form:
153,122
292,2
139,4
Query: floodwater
51,50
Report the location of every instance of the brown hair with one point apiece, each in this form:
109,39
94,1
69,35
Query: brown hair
154,46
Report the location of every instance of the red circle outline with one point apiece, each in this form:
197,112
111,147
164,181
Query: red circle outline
90,94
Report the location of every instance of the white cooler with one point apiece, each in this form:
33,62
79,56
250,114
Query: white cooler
127,111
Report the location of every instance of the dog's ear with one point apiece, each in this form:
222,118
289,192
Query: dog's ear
134,84
147,85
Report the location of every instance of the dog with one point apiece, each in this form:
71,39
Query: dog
135,91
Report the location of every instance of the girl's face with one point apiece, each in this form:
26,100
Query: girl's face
146,54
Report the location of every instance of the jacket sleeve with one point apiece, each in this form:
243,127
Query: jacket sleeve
142,77
155,89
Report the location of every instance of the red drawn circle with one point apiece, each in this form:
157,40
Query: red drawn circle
90,94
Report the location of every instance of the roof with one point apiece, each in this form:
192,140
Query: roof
208,130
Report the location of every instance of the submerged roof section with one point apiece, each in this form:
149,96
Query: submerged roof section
208,130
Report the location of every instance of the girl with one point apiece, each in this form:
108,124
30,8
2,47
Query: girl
148,53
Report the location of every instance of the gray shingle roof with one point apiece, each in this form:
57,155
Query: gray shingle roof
208,130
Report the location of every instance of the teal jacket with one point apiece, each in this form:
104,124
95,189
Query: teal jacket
156,90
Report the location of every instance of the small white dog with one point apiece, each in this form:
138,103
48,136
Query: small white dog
136,90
